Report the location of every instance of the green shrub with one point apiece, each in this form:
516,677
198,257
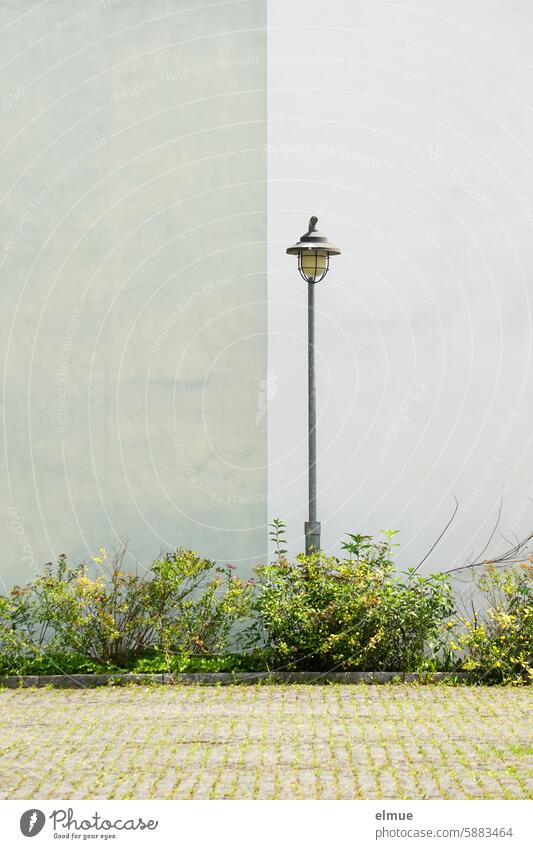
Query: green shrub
318,612
497,647
322,612
115,616
105,618
20,634
197,607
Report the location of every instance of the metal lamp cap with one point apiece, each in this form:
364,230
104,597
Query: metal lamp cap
313,241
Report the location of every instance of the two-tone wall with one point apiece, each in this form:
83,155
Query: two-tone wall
153,347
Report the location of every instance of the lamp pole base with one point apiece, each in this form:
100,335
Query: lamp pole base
312,537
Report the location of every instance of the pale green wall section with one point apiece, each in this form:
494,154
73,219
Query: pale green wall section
133,314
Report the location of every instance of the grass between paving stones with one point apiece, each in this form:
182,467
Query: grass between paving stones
268,742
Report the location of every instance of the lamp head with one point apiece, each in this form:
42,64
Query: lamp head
313,252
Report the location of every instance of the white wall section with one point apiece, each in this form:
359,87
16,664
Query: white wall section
408,130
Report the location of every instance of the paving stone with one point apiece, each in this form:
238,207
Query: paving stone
267,742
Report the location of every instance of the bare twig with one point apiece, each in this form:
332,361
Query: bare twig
495,528
447,525
512,555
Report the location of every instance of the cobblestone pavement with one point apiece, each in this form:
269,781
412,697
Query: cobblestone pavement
267,742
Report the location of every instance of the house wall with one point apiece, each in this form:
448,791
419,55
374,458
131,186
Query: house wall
408,131
133,279
138,401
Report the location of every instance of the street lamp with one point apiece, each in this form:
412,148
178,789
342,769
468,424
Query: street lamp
313,252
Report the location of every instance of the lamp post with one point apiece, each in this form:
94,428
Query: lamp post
313,252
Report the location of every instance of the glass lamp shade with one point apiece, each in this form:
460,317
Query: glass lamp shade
313,265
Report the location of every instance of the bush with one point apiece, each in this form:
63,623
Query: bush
317,613
498,646
196,606
322,612
115,616
17,631
106,617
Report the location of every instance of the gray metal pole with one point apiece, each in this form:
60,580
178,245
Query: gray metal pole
312,527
